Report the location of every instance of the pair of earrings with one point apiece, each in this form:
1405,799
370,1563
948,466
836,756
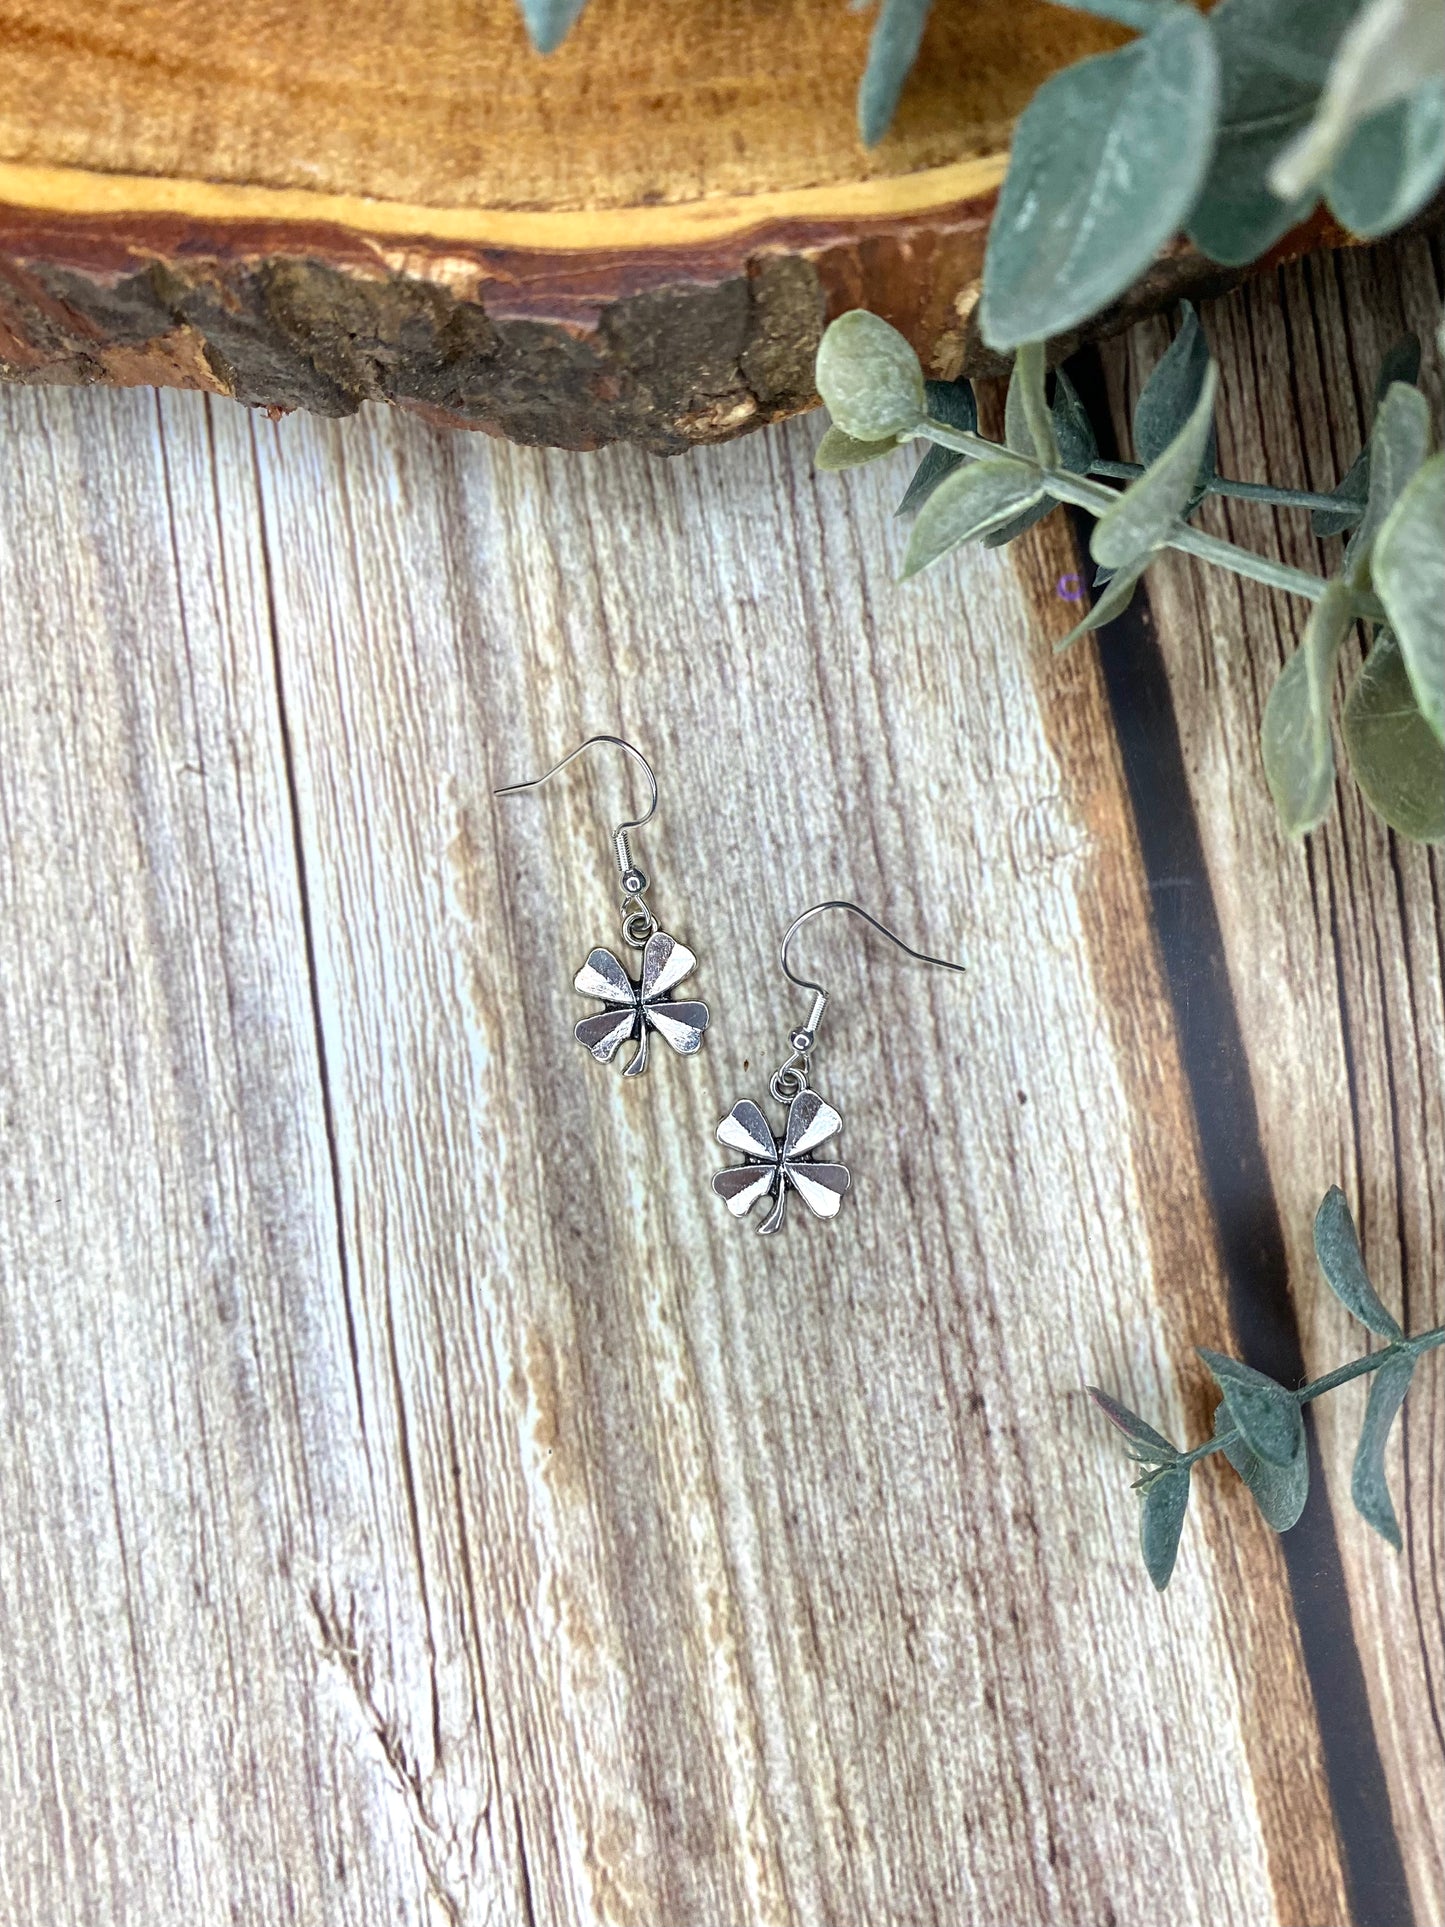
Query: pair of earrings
773,1164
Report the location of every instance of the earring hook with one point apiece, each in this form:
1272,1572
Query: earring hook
802,1039
632,878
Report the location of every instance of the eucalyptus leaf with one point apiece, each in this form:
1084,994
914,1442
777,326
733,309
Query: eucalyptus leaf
1401,363
1074,432
1078,448
1118,594
1337,1246
1166,1500
869,378
953,403
1028,426
1273,60
1138,523
1147,1445
1107,160
1391,165
837,450
1385,54
967,504
1349,495
1279,1491
1007,532
1265,1414
1299,756
1396,758
1407,565
892,51
1399,443
1368,1488
1168,398
550,21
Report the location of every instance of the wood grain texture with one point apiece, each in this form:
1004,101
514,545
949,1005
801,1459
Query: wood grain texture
426,1504
1334,948
643,106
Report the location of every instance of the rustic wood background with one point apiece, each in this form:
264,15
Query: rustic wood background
421,1502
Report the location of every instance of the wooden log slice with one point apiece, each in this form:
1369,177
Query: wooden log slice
637,238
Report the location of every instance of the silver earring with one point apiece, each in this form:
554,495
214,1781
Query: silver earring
632,1009
774,1165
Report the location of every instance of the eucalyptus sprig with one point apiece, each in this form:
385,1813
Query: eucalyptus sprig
1229,125
1259,1425
1392,577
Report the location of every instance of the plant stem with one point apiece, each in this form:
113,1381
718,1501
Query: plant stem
1094,497
1290,498
1357,1368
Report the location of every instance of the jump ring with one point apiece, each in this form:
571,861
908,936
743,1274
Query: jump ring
637,927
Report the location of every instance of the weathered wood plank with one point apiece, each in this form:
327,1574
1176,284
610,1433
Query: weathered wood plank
501,1530
1335,952
801,1584
184,1460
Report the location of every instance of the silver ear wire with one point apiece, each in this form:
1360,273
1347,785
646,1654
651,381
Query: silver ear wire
638,921
632,1008
791,1077
778,1162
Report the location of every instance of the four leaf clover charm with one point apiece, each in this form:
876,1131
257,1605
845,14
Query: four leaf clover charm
636,1008
773,1163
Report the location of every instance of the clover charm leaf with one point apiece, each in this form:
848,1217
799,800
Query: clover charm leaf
634,1009
775,1164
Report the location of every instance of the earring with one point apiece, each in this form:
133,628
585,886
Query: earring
772,1164
632,1009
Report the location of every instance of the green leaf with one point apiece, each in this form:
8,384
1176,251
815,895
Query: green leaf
1166,1500
1118,594
1078,447
1299,756
550,21
1007,532
1399,442
1279,1491
1408,569
1264,1412
1391,165
968,503
837,450
1074,432
1145,1444
1350,494
1401,363
1273,58
1368,1488
1169,397
892,51
951,402
869,378
1337,1246
1143,516
1028,426
1388,51
1395,756
1107,160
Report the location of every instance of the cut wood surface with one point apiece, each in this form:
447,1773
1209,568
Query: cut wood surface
633,238
424,1504
637,238
1334,948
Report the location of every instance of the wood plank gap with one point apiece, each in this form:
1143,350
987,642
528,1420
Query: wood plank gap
1250,1237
